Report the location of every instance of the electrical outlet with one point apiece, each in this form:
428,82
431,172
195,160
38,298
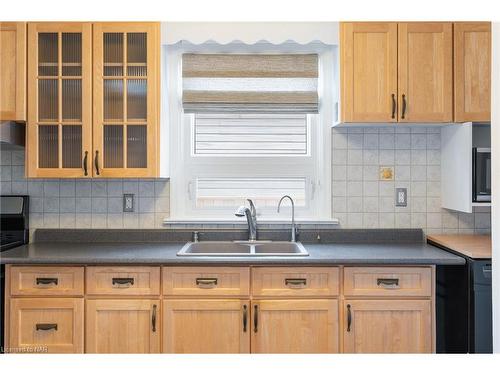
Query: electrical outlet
401,197
128,203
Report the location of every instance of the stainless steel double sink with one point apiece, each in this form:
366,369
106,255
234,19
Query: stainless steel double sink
243,248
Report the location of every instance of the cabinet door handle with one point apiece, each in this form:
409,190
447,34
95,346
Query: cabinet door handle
46,326
349,318
388,282
245,315
96,163
206,282
393,113
255,318
403,110
122,280
153,319
296,282
85,169
46,280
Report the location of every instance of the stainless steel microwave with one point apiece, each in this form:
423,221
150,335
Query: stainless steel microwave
481,174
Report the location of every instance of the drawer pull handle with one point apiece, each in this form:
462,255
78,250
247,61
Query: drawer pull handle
46,280
123,280
46,326
349,318
245,315
255,318
296,282
388,282
208,282
153,319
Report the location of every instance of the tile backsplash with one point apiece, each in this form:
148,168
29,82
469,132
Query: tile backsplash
359,198
78,203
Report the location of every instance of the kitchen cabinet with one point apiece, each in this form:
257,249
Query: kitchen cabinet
93,99
122,326
206,326
472,68
46,325
387,326
126,99
59,128
369,58
12,71
397,72
295,326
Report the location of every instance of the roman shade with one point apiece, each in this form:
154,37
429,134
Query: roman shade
250,83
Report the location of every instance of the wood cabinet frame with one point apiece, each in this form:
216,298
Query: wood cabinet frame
308,302
16,65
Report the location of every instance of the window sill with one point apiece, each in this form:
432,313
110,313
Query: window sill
237,224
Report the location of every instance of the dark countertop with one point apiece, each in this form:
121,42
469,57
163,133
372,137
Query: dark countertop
165,254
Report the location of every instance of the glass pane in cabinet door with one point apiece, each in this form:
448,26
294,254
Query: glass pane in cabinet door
136,54
113,54
113,99
113,146
71,54
47,54
48,146
136,99
137,150
72,100
72,146
47,100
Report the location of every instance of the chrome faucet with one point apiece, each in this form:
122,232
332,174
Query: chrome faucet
251,214
294,229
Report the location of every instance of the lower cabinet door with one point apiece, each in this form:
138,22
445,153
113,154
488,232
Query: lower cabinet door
46,325
206,326
123,326
295,326
387,326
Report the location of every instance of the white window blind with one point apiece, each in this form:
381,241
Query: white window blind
233,192
250,135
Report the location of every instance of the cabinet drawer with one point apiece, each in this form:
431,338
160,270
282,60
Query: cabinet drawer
206,281
46,281
295,281
46,325
388,281
129,281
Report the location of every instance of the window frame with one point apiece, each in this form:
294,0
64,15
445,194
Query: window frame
181,183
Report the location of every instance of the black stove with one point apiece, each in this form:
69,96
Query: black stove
14,231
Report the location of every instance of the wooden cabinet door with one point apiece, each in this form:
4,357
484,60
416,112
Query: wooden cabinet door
472,52
295,326
206,326
126,99
387,326
13,71
425,66
122,326
46,325
59,129
369,71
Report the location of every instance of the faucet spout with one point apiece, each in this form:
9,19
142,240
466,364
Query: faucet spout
251,215
293,229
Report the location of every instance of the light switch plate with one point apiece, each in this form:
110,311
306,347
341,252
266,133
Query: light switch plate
401,197
128,203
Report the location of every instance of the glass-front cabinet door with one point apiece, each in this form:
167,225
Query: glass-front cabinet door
126,88
59,129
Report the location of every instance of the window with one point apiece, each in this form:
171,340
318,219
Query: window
222,156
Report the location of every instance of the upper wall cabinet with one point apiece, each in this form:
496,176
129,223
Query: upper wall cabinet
126,99
13,71
59,129
472,58
369,71
396,72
